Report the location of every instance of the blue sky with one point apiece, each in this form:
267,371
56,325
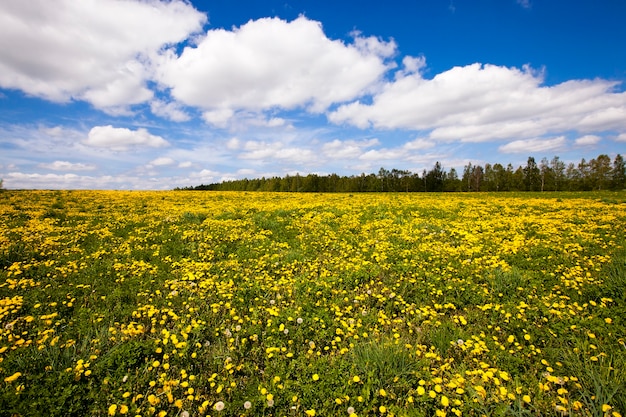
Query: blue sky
107,94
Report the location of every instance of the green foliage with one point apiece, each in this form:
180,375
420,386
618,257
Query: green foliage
553,175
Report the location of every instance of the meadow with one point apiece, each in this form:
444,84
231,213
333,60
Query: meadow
263,304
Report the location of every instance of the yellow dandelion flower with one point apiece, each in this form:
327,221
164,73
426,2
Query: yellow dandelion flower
13,377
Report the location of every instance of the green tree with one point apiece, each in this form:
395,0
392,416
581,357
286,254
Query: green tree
532,175
558,169
451,181
600,172
434,178
618,173
546,175
584,171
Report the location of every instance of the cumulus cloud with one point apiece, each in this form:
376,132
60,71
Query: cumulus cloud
534,145
419,144
478,103
60,181
162,161
347,149
67,166
587,140
99,51
270,63
621,137
218,117
204,176
121,139
171,111
275,151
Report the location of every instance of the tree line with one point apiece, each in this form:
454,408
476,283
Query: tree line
547,175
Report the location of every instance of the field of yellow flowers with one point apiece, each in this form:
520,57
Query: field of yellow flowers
261,304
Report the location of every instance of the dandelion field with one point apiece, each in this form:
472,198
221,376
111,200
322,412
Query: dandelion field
263,304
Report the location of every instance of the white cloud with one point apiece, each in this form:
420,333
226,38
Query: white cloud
419,144
478,103
121,139
529,146
242,120
171,111
204,176
233,144
185,164
270,63
219,117
61,181
587,140
162,161
621,137
99,51
347,149
383,154
526,4
273,122
67,166
245,171
276,151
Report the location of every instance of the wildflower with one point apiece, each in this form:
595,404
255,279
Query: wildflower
356,379
445,401
123,409
13,377
310,412
112,409
382,409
